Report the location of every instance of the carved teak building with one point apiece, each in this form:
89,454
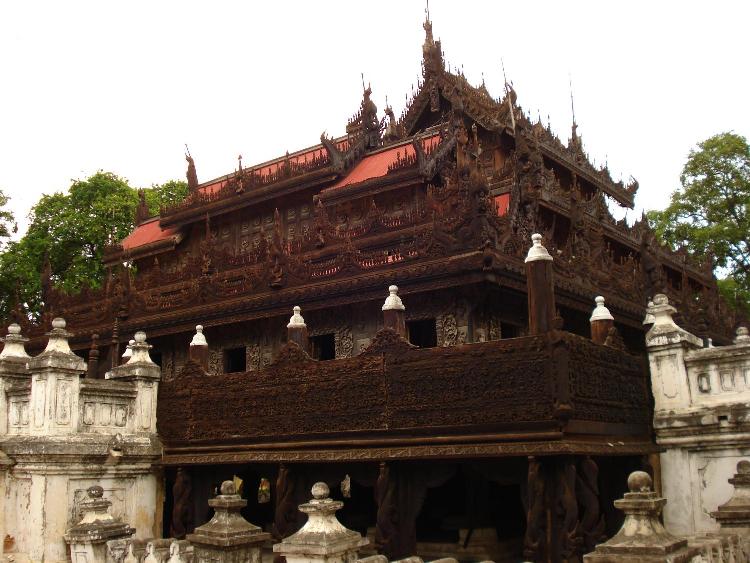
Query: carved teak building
477,422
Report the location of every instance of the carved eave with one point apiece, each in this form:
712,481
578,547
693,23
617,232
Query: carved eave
144,251
295,184
422,166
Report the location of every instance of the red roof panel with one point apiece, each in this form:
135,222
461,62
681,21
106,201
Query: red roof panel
376,165
146,233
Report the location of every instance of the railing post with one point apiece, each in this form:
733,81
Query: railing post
540,287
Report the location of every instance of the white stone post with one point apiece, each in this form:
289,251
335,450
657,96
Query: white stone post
141,370
323,538
88,539
667,345
55,385
54,411
13,369
642,537
227,537
734,515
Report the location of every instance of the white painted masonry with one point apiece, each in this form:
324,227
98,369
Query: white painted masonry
701,417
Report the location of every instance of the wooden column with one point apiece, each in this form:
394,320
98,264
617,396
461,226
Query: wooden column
601,321
198,351
297,330
541,292
182,505
394,312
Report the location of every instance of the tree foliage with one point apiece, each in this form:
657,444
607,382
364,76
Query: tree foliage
710,213
71,230
7,221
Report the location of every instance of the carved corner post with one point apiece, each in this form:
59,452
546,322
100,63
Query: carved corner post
592,526
385,498
297,330
394,312
601,321
198,350
182,505
115,344
93,363
553,530
540,286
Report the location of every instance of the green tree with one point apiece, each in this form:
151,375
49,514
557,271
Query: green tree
72,229
7,221
168,193
710,213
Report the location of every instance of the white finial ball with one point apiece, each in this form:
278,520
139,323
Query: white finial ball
14,329
599,300
393,289
140,337
58,322
742,331
297,309
199,328
320,491
536,238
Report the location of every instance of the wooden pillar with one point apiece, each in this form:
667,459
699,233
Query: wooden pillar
601,321
553,519
285,509
93,363
385,497
198,351
540,286
394,312
297,330
182,505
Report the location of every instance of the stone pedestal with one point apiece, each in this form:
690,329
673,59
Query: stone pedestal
228,537
642,537
734,515
322,538
88,539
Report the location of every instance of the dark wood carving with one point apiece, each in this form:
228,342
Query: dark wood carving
182,511
386,529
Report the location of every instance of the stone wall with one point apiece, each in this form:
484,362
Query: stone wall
701,418
61,433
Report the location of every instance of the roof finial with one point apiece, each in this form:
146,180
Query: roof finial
427,11
572,107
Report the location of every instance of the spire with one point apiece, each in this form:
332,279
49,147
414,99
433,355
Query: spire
192,175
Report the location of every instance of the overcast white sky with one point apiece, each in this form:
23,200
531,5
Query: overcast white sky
122,86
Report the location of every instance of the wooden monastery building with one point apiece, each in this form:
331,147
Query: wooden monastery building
480,416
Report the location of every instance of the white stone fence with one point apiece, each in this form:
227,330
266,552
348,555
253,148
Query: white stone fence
47,395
